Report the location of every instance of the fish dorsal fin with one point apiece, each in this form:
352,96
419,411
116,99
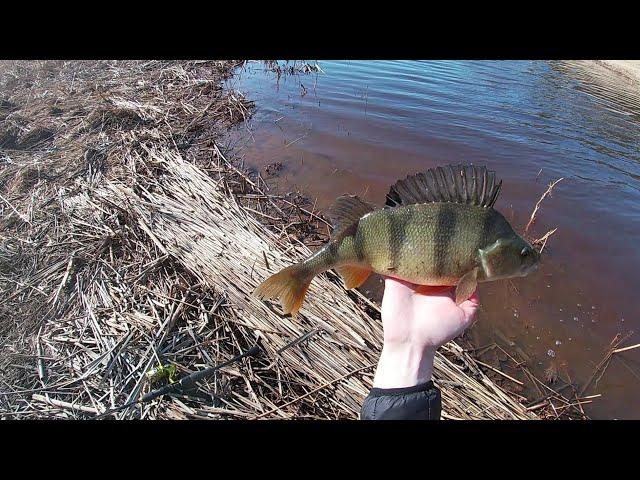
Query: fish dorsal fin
345,213
467,184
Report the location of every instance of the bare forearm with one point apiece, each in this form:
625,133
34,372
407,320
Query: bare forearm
402,386
404,365
415,323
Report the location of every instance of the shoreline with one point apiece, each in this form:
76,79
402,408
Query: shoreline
630,69
126,184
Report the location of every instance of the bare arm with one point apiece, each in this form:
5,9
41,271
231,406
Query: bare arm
416,322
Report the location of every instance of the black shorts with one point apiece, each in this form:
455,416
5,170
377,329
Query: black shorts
421,402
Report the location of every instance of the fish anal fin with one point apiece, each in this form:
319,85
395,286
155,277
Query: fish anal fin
466,286
353,276
345,213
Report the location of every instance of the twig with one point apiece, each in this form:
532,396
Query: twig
544,239
22,217
620,350
604,363
62,404
321,387
535,210
500,373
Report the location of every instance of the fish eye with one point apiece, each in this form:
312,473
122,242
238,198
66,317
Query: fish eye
525,251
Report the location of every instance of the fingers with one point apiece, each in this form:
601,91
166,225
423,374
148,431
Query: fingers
397,283
397,291
470,306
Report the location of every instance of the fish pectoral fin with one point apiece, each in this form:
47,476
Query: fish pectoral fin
353,276
466,286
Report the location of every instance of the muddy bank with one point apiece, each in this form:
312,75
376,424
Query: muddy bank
130,244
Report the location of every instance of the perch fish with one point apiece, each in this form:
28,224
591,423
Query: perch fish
437,228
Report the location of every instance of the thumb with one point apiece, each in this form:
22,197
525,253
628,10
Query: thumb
470,307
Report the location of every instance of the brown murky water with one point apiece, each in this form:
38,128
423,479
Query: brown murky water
359,126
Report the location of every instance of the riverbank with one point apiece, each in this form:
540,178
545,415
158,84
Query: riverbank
131,242
629,69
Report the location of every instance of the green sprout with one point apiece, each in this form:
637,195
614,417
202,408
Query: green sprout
162,373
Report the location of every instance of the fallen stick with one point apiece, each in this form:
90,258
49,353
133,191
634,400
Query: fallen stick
620,350
537,407
501,373
22,216
64,277
325,385
574,404
59,403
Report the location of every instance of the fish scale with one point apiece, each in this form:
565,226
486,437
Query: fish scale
412,243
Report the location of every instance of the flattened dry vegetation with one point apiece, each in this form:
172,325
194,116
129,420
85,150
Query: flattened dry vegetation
130,243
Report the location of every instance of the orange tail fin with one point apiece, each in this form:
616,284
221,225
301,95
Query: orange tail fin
288,285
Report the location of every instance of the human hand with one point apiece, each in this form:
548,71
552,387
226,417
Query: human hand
416,321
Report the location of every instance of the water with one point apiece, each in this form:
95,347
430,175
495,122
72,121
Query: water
359,126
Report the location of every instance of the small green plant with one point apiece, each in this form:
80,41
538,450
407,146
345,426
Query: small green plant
163,373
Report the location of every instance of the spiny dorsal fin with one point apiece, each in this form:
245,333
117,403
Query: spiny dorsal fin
346,211
452,183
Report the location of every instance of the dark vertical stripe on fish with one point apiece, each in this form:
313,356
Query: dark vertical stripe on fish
444,233
333,248
487,231
397,235
358,247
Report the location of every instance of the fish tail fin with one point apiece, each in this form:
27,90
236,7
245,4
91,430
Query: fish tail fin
289,286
